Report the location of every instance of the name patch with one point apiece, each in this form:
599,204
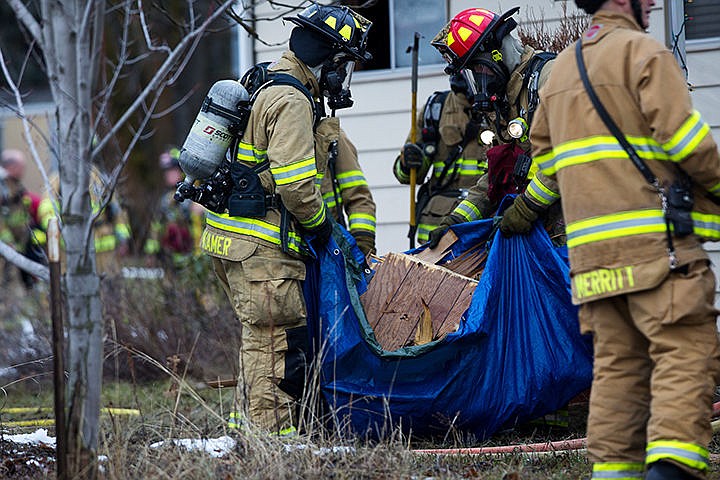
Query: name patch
603,281
214,243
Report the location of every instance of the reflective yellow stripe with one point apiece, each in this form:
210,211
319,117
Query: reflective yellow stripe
351,178
687,138
294,172
542,194
623,224
618,470
694,456
465,167
637,222
467,210
254,227
105,243
598,147
316,219
248,153
362,221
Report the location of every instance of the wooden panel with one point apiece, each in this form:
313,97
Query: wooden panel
452,321
394,300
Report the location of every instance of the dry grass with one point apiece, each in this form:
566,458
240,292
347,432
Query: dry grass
188,316
535,30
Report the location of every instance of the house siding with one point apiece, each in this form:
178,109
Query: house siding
379,121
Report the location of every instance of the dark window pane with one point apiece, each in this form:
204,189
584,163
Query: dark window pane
702,19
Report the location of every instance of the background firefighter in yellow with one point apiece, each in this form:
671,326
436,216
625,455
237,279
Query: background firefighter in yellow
260,259
640,275
448,149
112,231
343,184
504,77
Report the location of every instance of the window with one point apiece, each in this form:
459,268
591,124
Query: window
702,18
394,23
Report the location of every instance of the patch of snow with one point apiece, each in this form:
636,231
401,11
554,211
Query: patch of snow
38,436
320,451
216,447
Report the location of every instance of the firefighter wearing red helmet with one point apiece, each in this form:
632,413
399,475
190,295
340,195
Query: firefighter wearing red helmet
503,78
637,265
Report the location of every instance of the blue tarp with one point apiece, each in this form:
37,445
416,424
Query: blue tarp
517,355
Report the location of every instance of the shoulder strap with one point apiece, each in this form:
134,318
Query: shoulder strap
531,81
610,124
433,110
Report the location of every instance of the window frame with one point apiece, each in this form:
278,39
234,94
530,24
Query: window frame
393,70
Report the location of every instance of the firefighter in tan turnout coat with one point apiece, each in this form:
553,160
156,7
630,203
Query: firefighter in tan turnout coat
343,185
505,77
260,261
649,309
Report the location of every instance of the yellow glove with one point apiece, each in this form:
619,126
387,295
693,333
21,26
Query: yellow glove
517,218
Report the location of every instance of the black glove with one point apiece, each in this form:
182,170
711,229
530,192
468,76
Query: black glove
435,236
413,156
323,231
517,218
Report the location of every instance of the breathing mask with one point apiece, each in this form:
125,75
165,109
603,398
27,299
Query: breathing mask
487,82
335,81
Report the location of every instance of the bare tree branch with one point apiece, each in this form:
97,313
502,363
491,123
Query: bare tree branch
21,261
169,63
25,17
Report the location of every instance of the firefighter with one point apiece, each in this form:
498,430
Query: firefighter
343,184
504,77
17,222
171,240
111,228
449,150
259,255
638,269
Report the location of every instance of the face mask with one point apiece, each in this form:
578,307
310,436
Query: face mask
335,83
487,83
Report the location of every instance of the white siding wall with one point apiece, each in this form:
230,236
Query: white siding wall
380,119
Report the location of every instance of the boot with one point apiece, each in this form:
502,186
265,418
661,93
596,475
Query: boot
667,471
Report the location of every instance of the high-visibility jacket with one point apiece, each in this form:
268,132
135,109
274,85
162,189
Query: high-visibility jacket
478,205
279,131
616,232
348,192
111,227
15,219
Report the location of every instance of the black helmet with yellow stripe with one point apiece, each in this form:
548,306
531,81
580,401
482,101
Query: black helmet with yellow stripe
343,28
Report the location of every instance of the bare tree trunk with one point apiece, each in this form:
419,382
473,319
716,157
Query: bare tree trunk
67,39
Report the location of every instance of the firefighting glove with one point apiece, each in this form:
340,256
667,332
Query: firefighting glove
413,156
322,232
366,243
439,232
517,218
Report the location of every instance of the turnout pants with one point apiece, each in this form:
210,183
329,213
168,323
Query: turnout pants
656,363
266,293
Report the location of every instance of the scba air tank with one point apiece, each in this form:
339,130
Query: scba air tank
223,115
